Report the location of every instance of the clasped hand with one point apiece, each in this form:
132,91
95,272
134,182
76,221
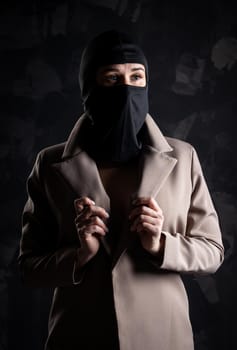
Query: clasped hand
146,219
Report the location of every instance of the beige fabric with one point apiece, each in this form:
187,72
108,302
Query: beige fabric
149,301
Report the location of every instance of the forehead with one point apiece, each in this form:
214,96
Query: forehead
122,67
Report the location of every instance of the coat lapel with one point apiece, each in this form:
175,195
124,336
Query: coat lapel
81,174
155,166
155,163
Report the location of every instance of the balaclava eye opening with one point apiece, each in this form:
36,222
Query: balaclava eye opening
118,112
110,47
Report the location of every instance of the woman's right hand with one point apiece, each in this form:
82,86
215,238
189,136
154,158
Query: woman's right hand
90,224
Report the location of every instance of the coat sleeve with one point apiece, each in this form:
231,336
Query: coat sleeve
41,263
200,249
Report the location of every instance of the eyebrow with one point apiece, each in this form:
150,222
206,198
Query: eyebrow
111,69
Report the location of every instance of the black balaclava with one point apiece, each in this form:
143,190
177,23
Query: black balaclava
118,112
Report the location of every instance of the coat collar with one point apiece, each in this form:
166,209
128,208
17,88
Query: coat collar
152,137
72,147
81,174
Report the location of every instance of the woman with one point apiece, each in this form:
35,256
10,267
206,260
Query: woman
115,214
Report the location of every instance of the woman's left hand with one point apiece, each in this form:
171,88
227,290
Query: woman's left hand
147,220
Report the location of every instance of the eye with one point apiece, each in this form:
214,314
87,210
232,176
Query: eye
111,78
136,77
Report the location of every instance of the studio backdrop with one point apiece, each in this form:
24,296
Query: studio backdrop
191,48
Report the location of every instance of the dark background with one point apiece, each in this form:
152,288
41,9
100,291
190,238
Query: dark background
192,52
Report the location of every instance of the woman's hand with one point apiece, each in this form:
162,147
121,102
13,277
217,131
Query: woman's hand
147,220
90,225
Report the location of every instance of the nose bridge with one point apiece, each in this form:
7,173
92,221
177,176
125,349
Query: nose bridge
126,78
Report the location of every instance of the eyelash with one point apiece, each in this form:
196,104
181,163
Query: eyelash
111,77
137,76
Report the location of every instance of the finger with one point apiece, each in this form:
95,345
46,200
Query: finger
78,207
144,210
93,220
149,201
90,211
93,210
87,231
156,224
145,218
84,201
81,202
146,227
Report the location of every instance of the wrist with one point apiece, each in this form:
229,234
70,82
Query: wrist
158,249
83,256
79,267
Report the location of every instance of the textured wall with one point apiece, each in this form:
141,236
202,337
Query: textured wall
192,53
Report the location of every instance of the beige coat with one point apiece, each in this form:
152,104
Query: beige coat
127,301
